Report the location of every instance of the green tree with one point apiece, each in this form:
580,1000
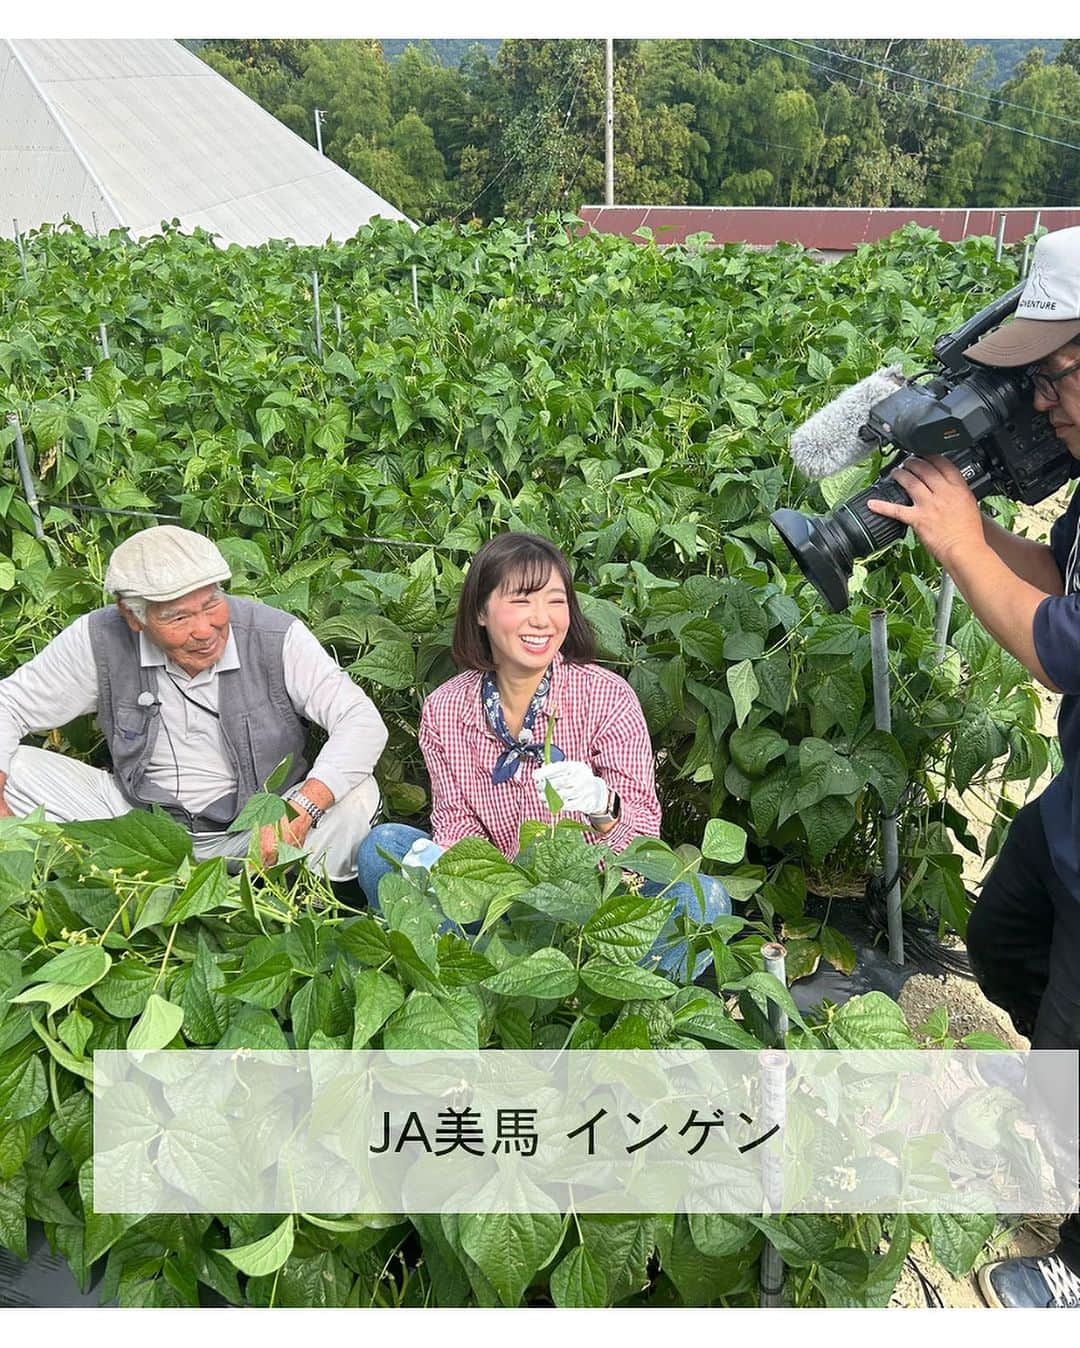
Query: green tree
1019,169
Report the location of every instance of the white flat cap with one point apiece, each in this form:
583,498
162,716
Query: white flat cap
164,563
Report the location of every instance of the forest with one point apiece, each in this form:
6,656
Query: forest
516,129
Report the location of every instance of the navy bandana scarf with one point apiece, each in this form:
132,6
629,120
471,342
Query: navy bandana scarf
516,750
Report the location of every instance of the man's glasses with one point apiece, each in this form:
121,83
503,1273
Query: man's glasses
1045,383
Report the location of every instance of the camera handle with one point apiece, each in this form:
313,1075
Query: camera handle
950,346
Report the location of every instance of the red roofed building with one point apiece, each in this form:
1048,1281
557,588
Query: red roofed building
831,229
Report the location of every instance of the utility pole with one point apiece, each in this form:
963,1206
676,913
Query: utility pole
320,113
609,123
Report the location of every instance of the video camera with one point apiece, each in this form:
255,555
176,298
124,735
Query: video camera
980,418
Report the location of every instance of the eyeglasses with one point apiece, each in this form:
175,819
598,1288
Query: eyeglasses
1044,383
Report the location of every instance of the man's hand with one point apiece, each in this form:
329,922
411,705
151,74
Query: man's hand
6,812
943,513
292,831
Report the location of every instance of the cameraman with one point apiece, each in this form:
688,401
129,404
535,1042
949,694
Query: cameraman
1024,933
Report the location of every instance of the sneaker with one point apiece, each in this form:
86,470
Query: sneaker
1027,1284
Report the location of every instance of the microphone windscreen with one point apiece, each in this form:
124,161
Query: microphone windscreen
829,440
146,699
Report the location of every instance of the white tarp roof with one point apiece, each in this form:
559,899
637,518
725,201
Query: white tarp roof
134,132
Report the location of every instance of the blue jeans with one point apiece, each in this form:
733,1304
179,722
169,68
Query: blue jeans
394,839
670,951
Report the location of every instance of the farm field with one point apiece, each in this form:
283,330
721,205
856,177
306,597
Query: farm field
634,405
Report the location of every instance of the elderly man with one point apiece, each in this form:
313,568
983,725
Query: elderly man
1024,932
199,696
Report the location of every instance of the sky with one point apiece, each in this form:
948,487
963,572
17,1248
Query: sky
552,18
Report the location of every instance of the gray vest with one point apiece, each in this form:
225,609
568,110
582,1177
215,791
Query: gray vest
259,725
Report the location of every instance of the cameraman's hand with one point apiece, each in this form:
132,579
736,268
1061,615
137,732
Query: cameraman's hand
944,513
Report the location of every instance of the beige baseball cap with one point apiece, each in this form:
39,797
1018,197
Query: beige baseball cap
1048,312
164,563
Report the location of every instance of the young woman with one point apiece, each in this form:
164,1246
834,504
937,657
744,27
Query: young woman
527,655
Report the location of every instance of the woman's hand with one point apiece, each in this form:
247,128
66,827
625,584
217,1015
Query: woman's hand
577,786
423,854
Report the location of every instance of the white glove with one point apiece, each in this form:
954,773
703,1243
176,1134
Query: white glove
578,787
423,854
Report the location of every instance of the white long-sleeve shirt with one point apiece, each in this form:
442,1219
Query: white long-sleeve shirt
189,759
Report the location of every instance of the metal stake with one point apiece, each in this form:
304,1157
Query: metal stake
19,246
1027,246
775,956
97,232
773,1065
415,293
609,122
103,341
890,847
24,473
88,372
337,318
318,315
946,594
1000,236
319,114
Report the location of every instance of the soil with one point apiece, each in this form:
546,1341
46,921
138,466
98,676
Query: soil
924,1282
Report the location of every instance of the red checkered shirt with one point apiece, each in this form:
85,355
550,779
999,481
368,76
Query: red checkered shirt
600,722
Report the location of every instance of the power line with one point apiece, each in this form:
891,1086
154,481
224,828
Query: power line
921,102
582,63
938,84
516,157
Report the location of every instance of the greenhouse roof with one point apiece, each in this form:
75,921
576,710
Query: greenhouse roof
135,132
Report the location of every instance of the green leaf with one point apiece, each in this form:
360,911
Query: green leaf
124,990
376,997
266,1255
800,1238
720,1234
825,824
837,949
562,901
22,1084
261,809
208,888
704,1017
724,842
469,875
391,664
879,757
364,940
158,1025
264,985
13,1216
624,928
624,982
957,1239
206,1010
743,686
510,1247
143,842
753,750
871,1020
545,973
309,1009
75,1030
578,1280
79,1066
427,1021
67,975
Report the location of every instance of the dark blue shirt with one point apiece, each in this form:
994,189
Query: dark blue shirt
1057,644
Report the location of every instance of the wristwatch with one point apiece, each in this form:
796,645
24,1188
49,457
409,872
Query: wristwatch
308,806
609,814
